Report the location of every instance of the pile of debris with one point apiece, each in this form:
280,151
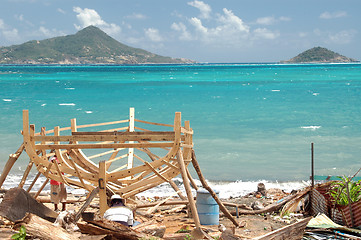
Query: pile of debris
168,218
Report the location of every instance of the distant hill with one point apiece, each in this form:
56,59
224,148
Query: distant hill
319,55
88,46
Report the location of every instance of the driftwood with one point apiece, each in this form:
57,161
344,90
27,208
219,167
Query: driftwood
43,229
272,207
97,225
151,228
17,202
294,231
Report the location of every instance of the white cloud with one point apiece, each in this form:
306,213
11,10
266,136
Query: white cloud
265,33
19,17
230,30
49,33
266,20
136,16
328,15
232,22
153,34
285,19
11,34
342,37
184,34
2,24
89,17
197,23
271,20
204,8
61,10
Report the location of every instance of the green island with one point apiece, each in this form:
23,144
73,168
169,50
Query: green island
88,46
319,55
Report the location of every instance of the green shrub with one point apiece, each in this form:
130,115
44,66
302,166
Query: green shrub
338,191
21,235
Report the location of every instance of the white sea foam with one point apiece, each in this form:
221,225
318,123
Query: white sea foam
7,100
225,189
275,90
69,88
66,104
313,128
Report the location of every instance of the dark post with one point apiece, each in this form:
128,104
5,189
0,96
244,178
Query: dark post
312,177
312,167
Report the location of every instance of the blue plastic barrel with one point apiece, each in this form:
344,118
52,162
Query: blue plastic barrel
207,207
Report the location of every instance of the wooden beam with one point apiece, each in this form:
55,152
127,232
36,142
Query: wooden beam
102,136
86,204
97,146
131,129
210,190
102,185
26,173
188,190
10,163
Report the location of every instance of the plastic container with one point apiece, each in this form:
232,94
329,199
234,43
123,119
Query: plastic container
207,207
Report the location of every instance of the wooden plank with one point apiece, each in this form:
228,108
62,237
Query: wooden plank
102,137
294,231
102,124
153,123
97,146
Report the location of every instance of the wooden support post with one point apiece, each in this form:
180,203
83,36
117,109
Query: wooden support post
214,195
30,165
131,129
176,188
86,204
102,184
188,189
33,183
10,163
26,173
46,181
41,188
193,183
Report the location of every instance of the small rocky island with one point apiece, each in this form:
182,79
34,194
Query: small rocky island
319,55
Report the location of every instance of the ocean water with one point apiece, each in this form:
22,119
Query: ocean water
251,122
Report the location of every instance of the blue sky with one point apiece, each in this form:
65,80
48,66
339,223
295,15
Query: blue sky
205,31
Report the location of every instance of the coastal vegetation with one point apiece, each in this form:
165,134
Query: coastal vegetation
88,46
319,55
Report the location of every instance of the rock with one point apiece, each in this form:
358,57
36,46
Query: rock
257,205
261,188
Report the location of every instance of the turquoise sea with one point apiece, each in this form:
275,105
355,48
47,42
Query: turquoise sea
250,121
